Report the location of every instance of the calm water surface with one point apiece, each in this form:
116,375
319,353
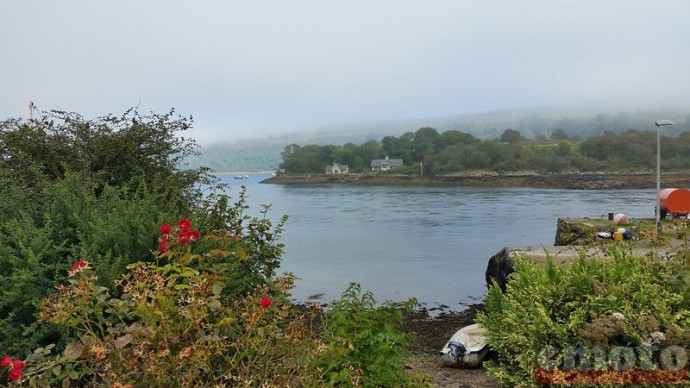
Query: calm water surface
432,243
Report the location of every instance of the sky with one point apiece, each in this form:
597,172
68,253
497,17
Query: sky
257,68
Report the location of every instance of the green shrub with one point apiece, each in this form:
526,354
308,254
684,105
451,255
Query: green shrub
604,303
75,188
259,242
66,222
172,316
367,346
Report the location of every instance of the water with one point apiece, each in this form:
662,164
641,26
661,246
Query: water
432,243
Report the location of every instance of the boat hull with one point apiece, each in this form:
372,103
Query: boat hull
467,348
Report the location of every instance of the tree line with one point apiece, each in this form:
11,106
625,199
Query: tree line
456,152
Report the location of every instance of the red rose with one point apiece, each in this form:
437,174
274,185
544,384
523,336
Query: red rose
184,239
195,235
265,302
6,362
79,264
165,229
18,364
184,224
163,247
15,374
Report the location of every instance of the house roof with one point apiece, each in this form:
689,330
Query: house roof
391,162
336,166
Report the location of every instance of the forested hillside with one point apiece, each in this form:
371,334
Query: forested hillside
265,154
455,152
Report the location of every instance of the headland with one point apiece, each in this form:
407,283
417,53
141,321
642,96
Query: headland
575,181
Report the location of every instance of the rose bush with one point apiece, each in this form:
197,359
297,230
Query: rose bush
172,316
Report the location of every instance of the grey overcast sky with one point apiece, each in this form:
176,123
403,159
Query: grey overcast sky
255,68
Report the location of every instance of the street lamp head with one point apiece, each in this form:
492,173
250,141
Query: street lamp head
661,123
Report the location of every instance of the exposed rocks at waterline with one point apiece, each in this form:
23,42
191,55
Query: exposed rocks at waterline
546,181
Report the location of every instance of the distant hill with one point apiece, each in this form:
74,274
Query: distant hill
265,154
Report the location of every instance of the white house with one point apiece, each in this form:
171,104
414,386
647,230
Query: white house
337,169
385,164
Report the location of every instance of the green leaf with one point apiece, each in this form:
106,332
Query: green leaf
188,273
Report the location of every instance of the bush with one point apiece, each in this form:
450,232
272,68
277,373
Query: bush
625,301
67,222
172,316
367,346
76,188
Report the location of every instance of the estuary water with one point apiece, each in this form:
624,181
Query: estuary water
431,243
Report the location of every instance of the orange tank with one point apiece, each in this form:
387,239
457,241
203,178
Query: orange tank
675,202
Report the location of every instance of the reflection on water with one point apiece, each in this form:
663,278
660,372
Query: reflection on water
431,243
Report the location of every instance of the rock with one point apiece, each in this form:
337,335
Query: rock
575,232
499,267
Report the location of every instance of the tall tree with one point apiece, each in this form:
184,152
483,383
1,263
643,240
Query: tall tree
427,141
511,136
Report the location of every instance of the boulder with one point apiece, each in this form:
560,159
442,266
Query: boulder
571,231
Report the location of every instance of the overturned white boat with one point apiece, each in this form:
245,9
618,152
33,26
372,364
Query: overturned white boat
467,348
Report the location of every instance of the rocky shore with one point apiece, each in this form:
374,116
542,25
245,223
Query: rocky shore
580,181
432,329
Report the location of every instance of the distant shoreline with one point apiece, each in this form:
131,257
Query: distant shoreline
576,181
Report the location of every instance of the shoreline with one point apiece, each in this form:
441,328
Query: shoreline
575,181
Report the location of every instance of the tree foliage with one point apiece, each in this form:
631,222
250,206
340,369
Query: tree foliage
455,152
511,136
76,188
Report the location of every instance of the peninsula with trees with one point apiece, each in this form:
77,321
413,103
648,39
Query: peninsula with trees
427,156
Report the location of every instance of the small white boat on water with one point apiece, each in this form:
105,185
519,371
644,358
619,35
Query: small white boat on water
467,348
238,176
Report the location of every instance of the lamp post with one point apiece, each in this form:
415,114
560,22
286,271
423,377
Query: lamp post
659,124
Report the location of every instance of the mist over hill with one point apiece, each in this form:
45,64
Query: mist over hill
264,154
